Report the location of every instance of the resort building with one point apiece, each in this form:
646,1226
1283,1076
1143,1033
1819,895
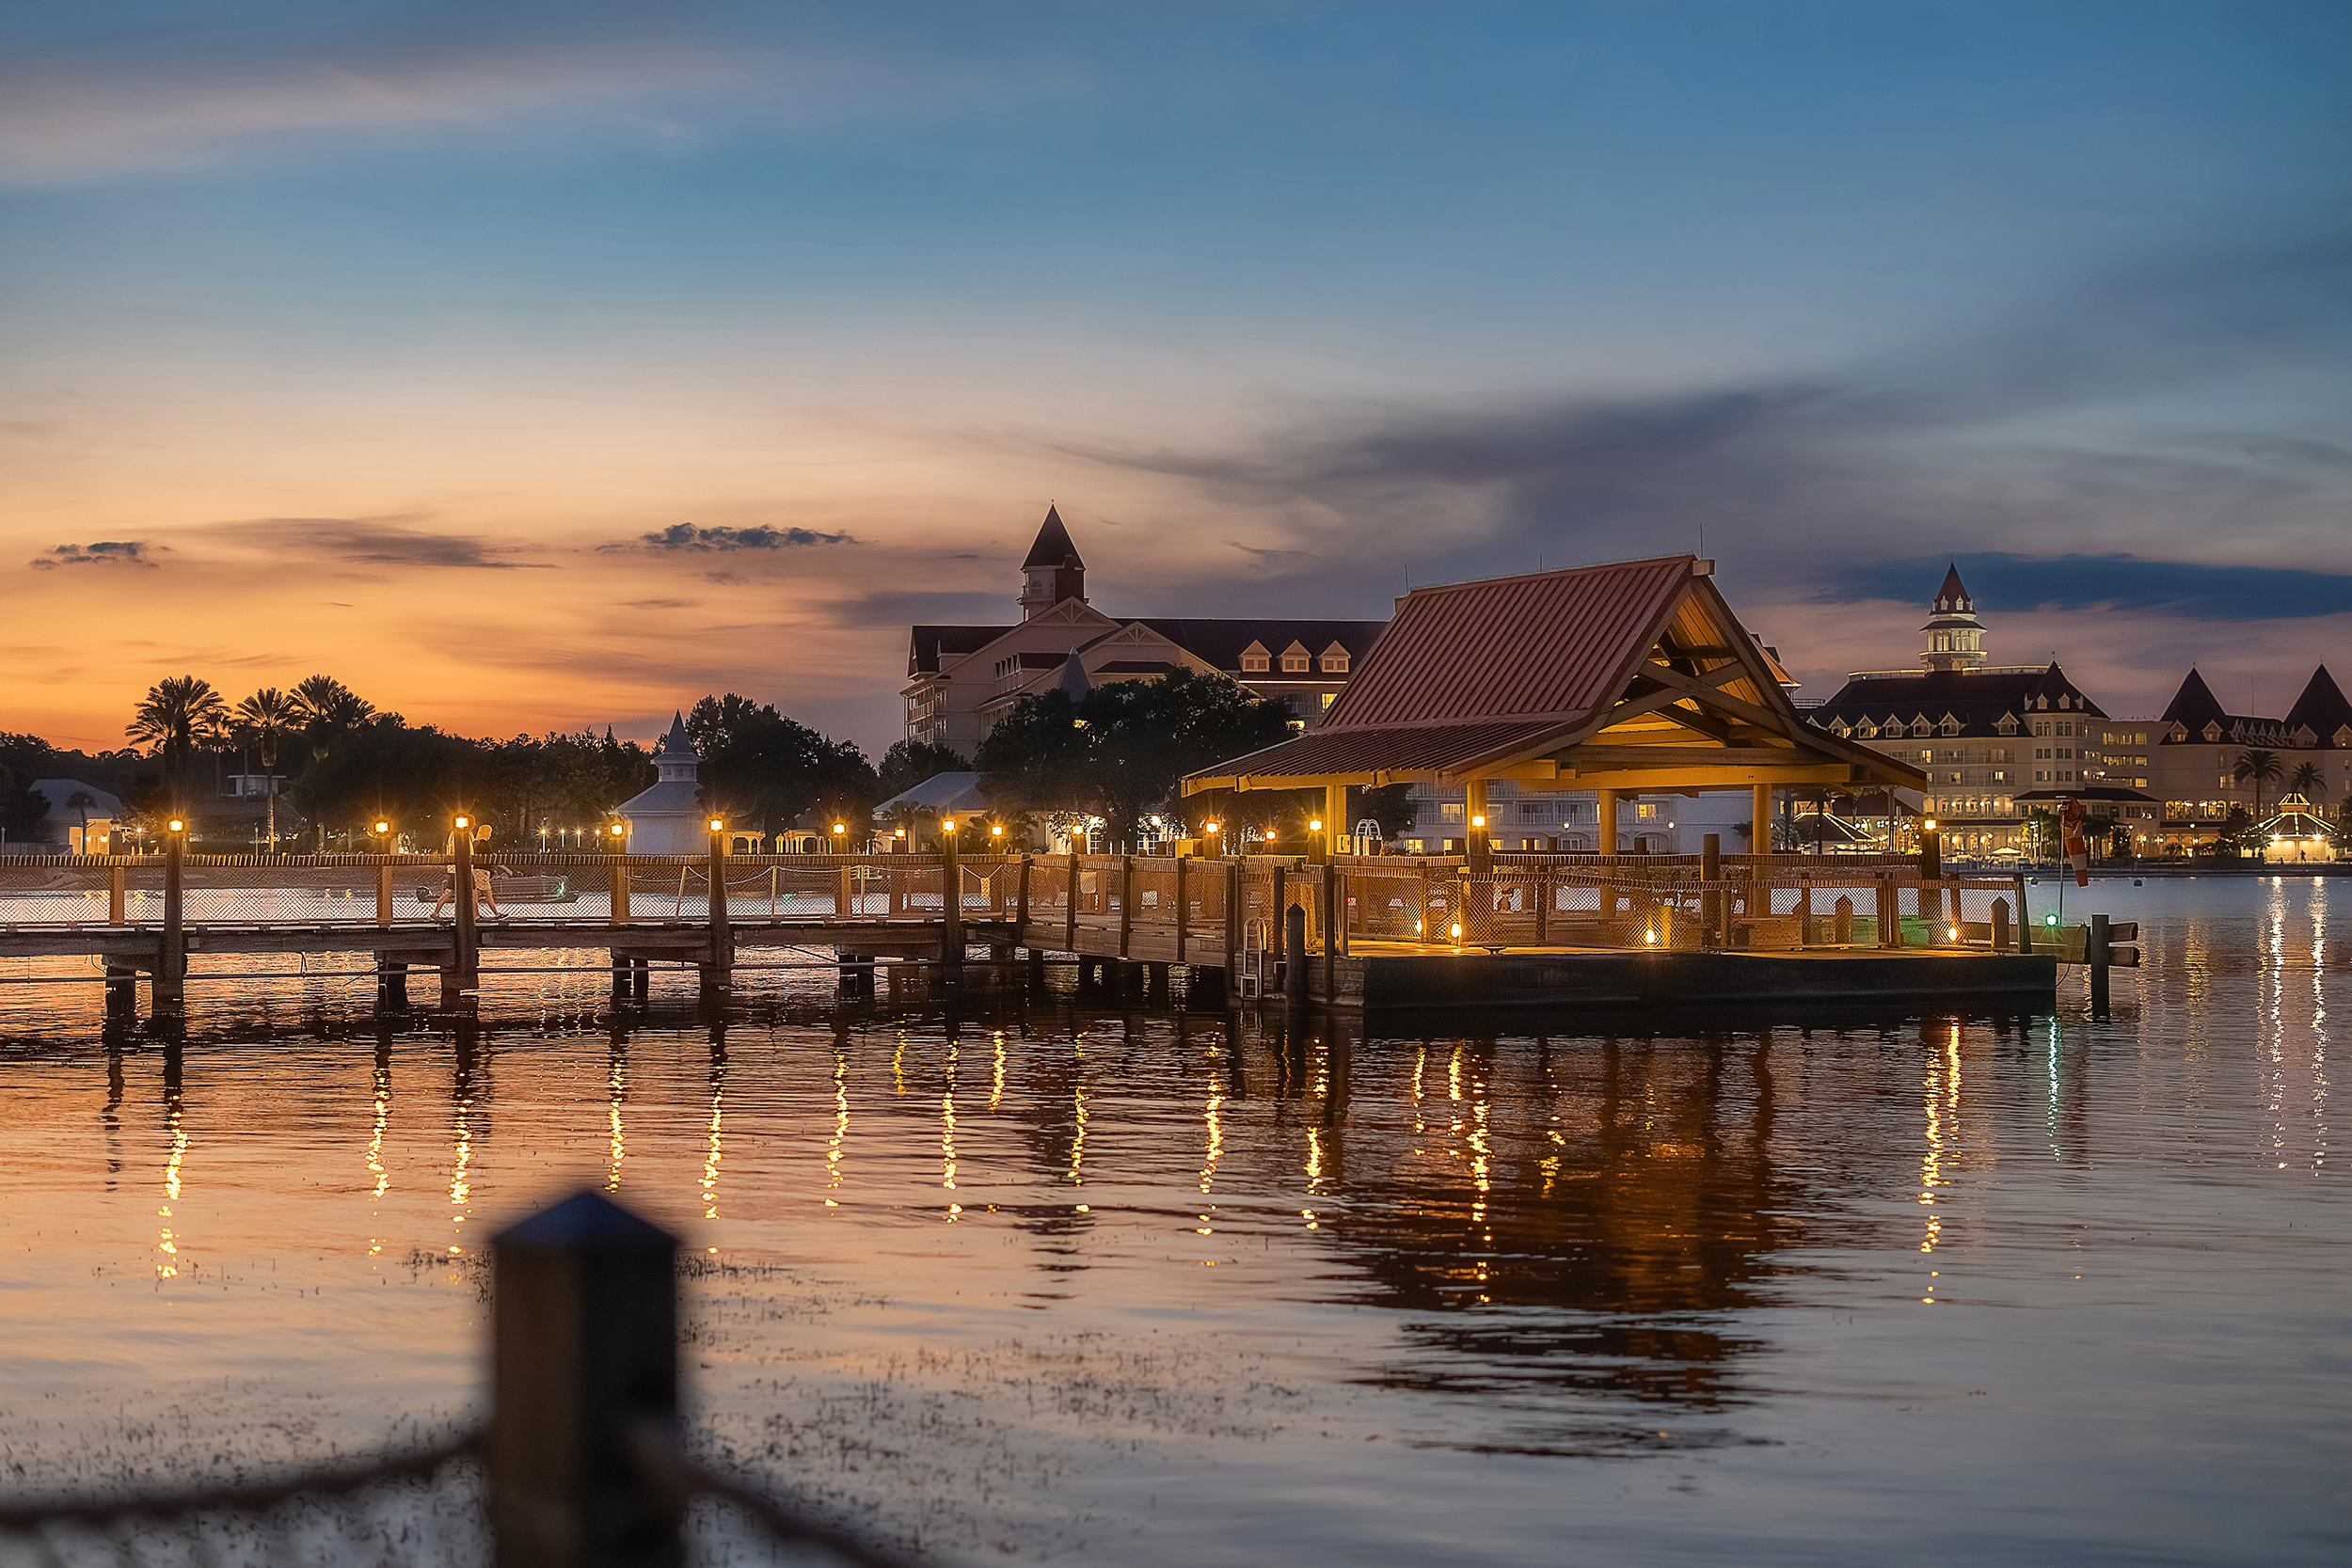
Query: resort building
80,821
2198,747
1983,735
962,679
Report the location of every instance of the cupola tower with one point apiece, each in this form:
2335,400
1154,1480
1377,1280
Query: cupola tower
1053,572
1955,639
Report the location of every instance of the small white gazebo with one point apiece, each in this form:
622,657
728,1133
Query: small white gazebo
668,819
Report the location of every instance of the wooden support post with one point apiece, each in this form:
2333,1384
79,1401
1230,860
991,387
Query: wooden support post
721,964
1805,908
1428,919
1070,910
1126,902
845,893
1711,923
1542,891
1020,914
641,983
1232,929
2096,952
1328,904
2024,915
1479,845
1183,906
392,981
1890,912
1339,834
2000,925
170,985
620,974
950,906
1277,908
1155,984
583,1375
1606,840
122,990
1294,955
117,893
1841,924
620,890
384,892
1760,821
1036,971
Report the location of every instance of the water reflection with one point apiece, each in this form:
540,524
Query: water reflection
1566,1218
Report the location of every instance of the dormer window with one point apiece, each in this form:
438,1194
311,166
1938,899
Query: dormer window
2008,724
1841,729
1255,660
1866,730
1950,725
1296,661
1335,660
2213,730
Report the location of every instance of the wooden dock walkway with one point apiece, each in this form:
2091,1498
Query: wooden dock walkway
1235,925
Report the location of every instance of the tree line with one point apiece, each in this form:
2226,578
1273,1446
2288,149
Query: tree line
1116,756
348,763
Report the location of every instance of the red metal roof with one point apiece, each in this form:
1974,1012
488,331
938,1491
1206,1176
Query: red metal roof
1415,749
1552,646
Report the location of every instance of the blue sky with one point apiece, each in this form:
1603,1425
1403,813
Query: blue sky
391,333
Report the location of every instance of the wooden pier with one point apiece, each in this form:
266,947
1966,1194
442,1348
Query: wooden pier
1532,930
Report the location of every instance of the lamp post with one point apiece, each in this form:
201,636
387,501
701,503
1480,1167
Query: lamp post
464,971
171,962
1215,844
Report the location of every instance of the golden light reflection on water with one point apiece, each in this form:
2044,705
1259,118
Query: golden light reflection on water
947,1130
168,1241
461,1163
376,1146
617,1132
1940,1096
996,1080
1078,1111
1212,1113
840,1121
716,1150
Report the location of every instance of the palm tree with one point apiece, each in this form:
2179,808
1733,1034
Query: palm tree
2308,782
177,716
266,718
328,711
2262,767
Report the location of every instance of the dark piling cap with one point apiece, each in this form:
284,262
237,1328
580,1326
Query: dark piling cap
586,1222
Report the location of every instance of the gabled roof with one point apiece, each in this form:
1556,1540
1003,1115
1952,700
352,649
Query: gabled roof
2194,706
1633,669
1978,698
1054,547
2321,709
1545,648
1222,642
926,644
1953,592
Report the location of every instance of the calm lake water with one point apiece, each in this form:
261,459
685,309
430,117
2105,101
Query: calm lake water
1048,1280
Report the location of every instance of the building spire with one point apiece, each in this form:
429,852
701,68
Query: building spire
1053,571
1955,639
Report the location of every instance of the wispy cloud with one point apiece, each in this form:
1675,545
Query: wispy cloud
105,552
257,80
688,538
371,542
2058,431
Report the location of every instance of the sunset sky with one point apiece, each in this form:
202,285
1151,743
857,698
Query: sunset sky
529,366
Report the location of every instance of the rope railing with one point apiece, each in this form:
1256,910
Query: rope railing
581,1461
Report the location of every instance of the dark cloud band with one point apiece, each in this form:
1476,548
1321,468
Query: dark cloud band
2122,583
